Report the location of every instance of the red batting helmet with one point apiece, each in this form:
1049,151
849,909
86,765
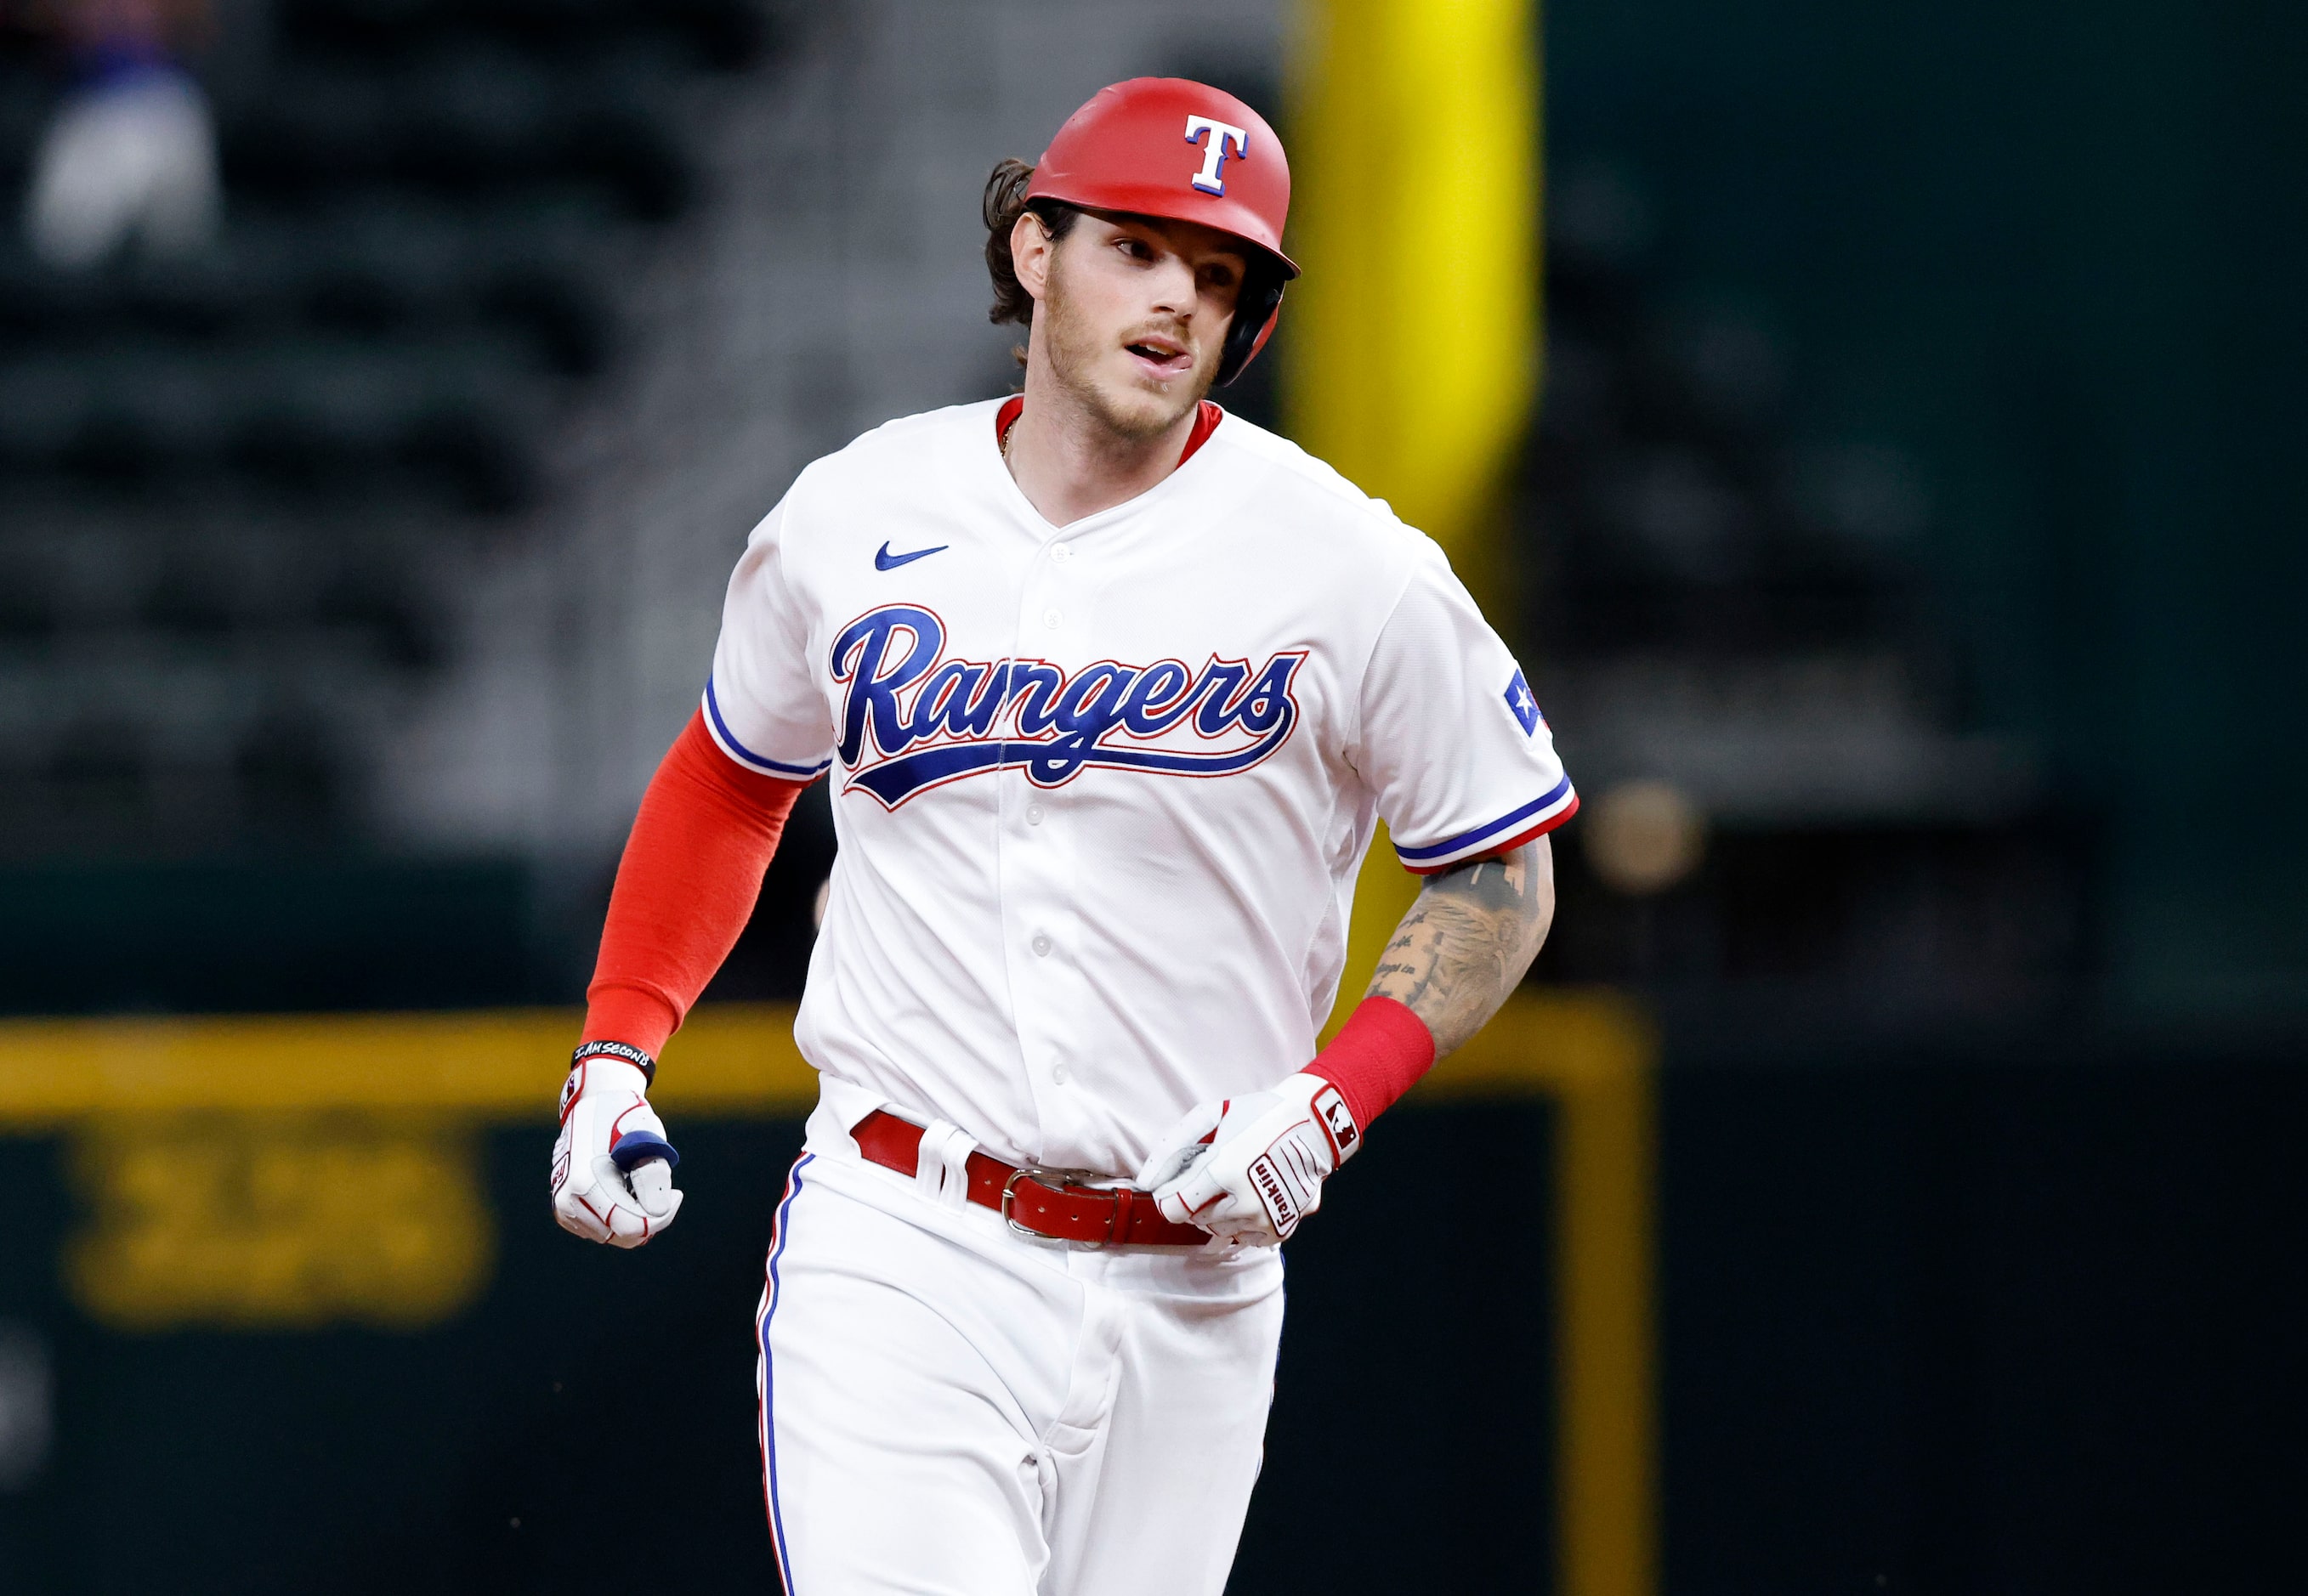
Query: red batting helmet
1185,151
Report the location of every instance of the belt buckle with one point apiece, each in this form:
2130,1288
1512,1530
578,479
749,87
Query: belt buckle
1063,1180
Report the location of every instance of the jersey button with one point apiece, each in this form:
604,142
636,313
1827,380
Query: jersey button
1033,814
1052,619
1042,945
1062,552
1060,1073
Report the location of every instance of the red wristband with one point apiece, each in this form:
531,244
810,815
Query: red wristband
1377,1056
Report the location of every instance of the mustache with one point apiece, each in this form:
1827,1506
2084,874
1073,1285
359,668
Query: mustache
1168,333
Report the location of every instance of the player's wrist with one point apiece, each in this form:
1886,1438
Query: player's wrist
1378,1054
611,1074
1320,1098
609,1051
592,1074
636,1013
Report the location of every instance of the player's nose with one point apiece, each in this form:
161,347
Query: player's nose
1172,284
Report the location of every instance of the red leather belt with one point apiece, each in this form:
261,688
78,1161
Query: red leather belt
1039,1202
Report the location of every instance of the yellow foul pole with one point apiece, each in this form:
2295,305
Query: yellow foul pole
1412,363
1412,349
1412,354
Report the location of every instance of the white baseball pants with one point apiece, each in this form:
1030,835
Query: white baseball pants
951,1408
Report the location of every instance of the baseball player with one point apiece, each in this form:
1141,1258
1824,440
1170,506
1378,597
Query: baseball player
1111,687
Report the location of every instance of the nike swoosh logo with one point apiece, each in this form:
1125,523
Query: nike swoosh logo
883,560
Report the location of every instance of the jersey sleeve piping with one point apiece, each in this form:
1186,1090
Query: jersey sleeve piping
1509,830
726,740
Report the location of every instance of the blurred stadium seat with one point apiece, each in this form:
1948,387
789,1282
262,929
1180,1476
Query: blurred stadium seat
227,484
1746,617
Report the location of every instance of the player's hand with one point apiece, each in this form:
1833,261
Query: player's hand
1249,1169
612,1166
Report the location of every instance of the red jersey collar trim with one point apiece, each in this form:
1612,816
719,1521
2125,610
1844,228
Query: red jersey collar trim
1207,417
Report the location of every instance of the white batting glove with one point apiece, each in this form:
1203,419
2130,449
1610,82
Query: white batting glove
612,1166
1249,1169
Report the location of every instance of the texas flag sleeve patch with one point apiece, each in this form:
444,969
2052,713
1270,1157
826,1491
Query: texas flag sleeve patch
1525,707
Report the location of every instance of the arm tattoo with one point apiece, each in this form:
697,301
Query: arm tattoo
1468,940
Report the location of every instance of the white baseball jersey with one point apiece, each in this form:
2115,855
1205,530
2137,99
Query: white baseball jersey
1101,790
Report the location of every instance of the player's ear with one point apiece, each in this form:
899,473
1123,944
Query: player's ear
1032,249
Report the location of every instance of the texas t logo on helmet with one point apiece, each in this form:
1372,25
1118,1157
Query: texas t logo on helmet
1211,178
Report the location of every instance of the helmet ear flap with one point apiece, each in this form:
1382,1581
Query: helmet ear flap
1254,316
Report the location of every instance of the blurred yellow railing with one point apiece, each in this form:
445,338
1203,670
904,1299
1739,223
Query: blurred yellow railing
1595,1057
498,1064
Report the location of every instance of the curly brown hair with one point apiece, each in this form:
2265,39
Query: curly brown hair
1005,202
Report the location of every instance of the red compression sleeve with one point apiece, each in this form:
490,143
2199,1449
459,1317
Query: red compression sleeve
1377,1056
685,887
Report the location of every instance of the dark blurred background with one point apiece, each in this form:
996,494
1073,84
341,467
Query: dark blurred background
1906,548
